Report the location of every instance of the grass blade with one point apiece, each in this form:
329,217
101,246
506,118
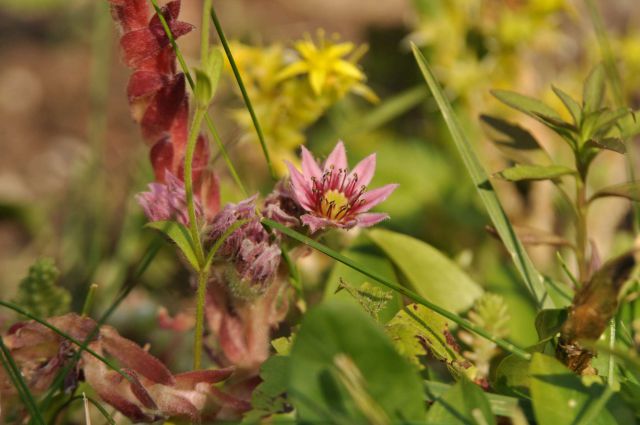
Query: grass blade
243,90
208,121
23,390
400,289
533,279
66,336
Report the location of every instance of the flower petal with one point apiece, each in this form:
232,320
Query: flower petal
369,219
316,223
337,158
301,189
310,167
375,196
364,170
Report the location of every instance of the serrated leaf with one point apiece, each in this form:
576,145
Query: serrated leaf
464,404
180,235
269,396
534,172
337,329
519,138
572,105
417,332
609,143
630,190
370,256
593,91
560,398
428,271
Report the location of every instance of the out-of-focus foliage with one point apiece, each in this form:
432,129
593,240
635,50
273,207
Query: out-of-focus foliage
39,293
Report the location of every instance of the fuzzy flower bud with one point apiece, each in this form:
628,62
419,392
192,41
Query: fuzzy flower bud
167,201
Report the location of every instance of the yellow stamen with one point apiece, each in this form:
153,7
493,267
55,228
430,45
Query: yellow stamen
332,203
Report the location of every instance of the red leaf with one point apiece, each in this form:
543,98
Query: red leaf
162,158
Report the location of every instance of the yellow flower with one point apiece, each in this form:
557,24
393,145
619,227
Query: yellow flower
324,63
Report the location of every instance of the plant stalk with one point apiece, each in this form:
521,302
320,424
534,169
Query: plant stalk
197,343
582,240
506,345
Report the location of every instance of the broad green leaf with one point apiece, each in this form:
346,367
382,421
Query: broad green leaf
533,279
370,257
269,396
428,271
534,172
528,105
512,376
417,331
464,404
336,341
519,138
549,322
500,405
593,91
630,190
180,235
609,143
572,106
559,396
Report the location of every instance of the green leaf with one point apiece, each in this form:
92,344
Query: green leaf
512,377
572,106
180,235
269,396
428,271
371,257
500,405
629,190
532,278
528,105
605,120
417,331
560,398
534,172
549,322
337,338
593,91
609,143
464,404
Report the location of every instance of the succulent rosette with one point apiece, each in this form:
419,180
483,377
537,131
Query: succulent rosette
333,196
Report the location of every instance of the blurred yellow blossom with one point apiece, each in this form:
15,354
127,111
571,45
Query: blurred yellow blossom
292,88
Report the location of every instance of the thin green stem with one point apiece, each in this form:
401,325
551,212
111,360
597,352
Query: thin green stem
197,343
23,390
611,379
188,183
88,301
98,406
204,34
192,85
615,82
65,336
243,90
148,257
506,345
581,231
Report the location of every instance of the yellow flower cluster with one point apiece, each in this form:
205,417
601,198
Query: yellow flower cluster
480,44
290,89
